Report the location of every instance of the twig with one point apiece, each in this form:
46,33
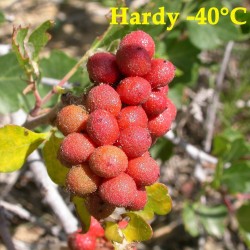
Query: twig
4,231
53,82
49,95
48,118
18,210
191,150
212,110
51,194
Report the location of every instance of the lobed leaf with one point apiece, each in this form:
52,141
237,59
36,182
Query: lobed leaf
112,232
137,229
16,144
57,172
158,199
39,38
243,217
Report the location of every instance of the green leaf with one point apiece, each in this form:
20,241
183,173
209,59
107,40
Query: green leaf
18,45
212,218
147,213
82,213
243,217
211,36
137,229
162,149
58,64
16,143
11,84
57,172
236,178
158,199
190,220
112,232
39,38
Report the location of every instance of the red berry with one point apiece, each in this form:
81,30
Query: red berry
97,207
78,241
108,161
102,127
133,60
139,38
102,68
104,97
160,124
134,141
132,115
156,103
162,73
96,228
75,149
144,170
81,181
134,90
140,200
118,191
71,119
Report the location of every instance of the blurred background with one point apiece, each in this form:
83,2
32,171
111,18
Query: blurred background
205,160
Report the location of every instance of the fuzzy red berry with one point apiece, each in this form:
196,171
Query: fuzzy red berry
118,191
97,207
133,60
144,170
71,119
162,73
134,141
104,97
102,68
132,115
140,200
108,161
81,180
95,228
75,149
134,90
156,103
102,127
161,124
78,241
139,38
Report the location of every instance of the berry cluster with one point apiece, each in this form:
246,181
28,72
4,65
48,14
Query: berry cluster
107,138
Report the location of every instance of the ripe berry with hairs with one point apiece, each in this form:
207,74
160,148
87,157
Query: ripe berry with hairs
102,68
75,149
133,60
134,141
104,97
102,127
81,180
139,38
144,170
162,73
156,103
118,191
71,119
134,90
132,115
108,161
